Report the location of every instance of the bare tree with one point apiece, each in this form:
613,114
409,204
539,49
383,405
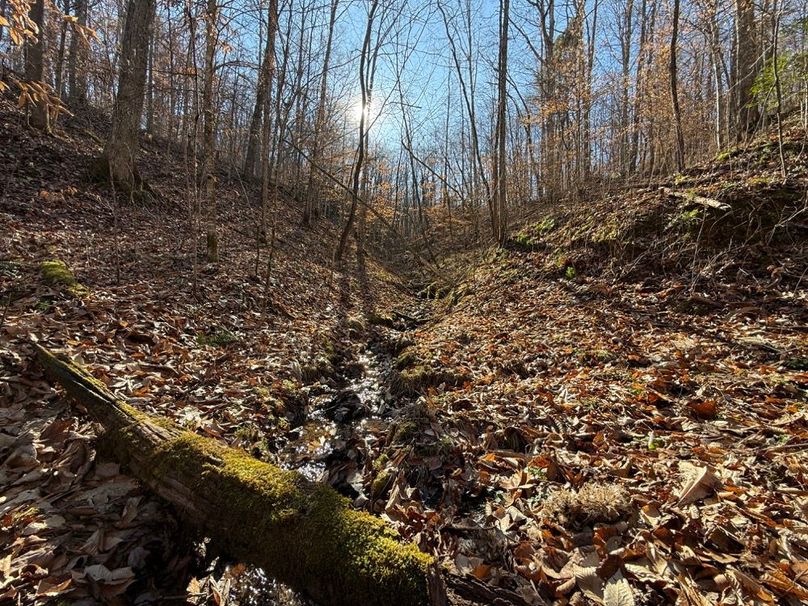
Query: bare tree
76,58
500,163
360,151
319,120
118,161
674,81
209,130
745,69
35,68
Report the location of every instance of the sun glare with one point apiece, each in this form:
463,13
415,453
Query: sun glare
357,109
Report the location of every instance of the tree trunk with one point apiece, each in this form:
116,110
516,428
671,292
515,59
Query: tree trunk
118,160
745,67
677,112
626,39
302,533
319,121
35,67
718,81
266,127
638,90
150,87
360,153
60,55
251,163
209,131
500,174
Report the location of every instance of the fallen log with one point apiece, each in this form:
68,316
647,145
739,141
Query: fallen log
302,533
691,198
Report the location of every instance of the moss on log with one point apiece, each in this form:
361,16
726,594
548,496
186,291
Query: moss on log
57,274
302,533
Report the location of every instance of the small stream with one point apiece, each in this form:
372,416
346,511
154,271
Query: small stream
356,405
334,416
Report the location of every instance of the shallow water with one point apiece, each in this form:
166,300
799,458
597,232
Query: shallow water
332,419
335,416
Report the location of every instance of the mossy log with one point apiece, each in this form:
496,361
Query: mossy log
300,532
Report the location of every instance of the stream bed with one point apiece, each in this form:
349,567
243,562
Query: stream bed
353,407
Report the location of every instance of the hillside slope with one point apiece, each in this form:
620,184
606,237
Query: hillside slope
610,409
619,397
111,283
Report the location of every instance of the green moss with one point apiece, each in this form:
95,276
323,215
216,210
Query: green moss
404,432
380,462
218,338
378,319
381,483
57,274
309,529
303,534
406,358
727,154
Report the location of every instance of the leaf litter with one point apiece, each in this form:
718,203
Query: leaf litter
552,436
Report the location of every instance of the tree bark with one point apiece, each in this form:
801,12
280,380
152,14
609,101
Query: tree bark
209,131
266,126
500,163
302,533
319,121
674,81
35,67
254,140
118,160
60,55
745,67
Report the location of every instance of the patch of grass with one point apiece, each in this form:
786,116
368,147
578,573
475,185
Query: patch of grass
546,225
524,240
419,378
43,305
569,273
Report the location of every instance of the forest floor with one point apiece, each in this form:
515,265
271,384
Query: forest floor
612,409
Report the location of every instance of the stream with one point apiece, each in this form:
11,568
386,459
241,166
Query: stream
336,415
339,415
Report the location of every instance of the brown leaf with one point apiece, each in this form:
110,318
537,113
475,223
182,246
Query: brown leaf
699,482
617,591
